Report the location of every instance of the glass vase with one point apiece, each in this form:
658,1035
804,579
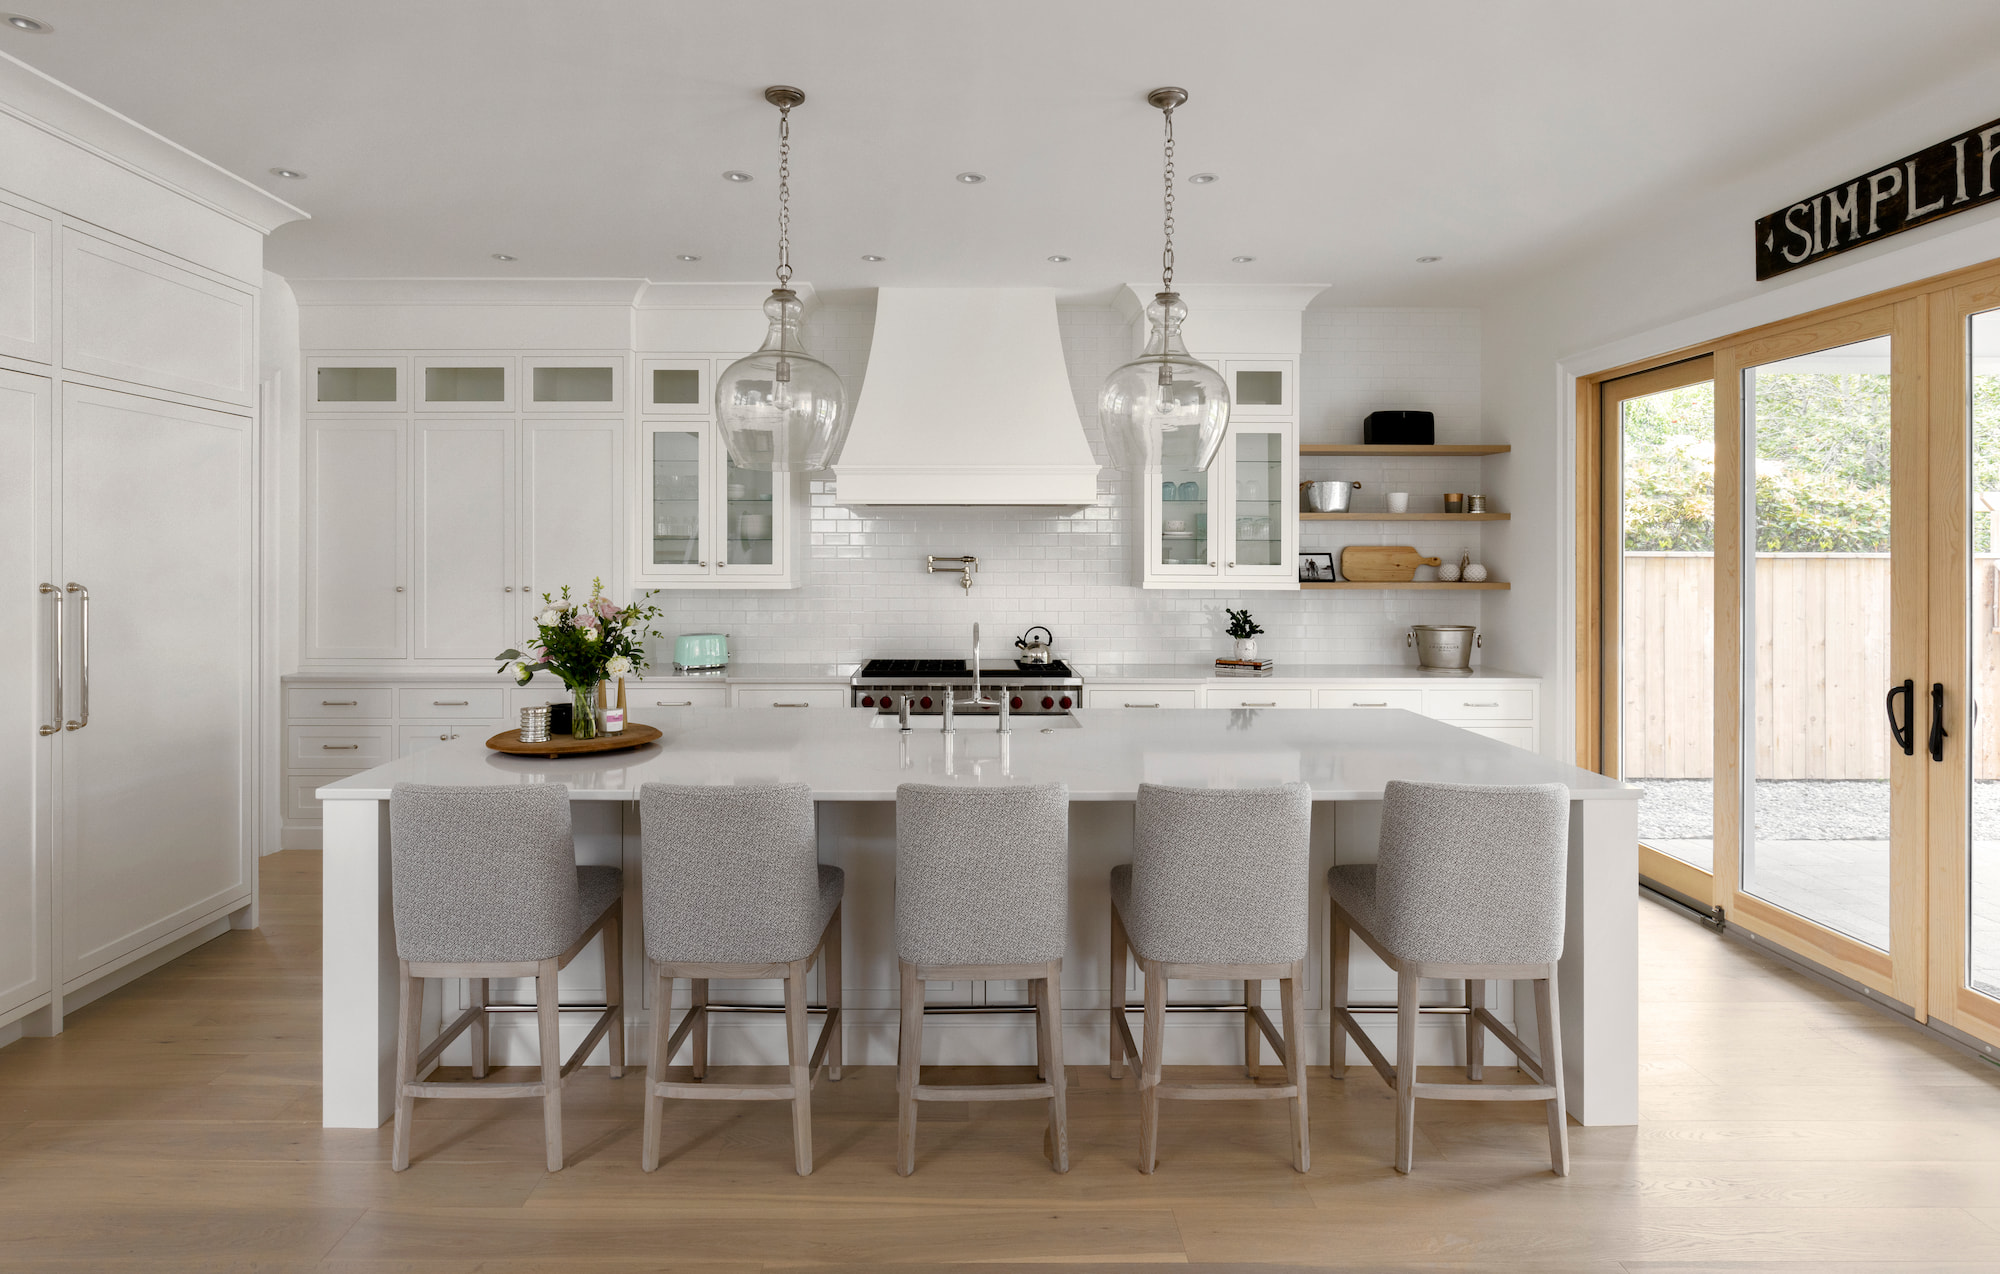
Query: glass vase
583,712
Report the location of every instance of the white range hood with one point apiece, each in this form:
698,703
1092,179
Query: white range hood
967,401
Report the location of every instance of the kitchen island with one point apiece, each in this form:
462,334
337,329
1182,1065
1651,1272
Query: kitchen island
854,759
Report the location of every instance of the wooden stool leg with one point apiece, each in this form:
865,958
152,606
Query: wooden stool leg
800,1051
698,1042
1150,1050
475,994
909,1066
1407,985
831,969
1475,1034
1337,953
1295,1065
408,1022
551,1024
1253,1036
614,984
1547,1006
1119,971
1037,995
1058,1077
656,1071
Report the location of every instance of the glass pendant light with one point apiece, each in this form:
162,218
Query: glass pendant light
1165,399
780,408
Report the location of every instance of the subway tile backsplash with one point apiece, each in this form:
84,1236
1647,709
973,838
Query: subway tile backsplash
1077,571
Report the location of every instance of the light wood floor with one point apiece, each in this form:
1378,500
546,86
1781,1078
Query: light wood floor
175,1127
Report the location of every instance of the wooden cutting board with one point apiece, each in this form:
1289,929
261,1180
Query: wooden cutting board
1375,563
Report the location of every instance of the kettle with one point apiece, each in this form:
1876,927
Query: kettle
1035,650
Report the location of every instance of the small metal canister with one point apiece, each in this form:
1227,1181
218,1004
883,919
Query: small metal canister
1454,502
1475,504
535,724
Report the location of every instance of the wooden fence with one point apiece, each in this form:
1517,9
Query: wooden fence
1822,665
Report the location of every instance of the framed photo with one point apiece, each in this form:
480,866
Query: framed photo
1316,568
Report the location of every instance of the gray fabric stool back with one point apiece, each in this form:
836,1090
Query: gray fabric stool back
482,874
732,873
734,889
1473,874
484,884
982,874
982,893
1220,875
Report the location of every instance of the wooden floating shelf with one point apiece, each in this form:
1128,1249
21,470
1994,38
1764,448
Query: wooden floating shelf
1436,449
1428,583
1405,517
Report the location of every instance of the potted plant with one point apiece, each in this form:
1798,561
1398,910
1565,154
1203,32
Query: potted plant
583,643
1244,629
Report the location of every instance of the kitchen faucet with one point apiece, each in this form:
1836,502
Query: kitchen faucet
978,699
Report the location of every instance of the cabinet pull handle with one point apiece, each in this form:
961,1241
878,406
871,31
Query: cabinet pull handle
673,703
451,703
1142,705
1368,705
445,736
399,588
508,589
775,704
1232,566
340,747
340,703
1247,704
83,646
1470,704
55,726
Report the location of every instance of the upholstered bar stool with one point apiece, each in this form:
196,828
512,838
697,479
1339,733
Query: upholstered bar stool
734,888
485,885
1218,887
982,892
1469,883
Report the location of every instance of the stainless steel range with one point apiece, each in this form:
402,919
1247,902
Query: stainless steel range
1030,689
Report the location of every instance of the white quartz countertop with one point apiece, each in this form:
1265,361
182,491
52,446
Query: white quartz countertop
1345,754
735,674
806,674
1117,674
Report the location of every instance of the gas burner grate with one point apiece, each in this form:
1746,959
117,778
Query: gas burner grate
914,668
1053,668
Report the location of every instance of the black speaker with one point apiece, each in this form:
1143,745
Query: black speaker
1400,428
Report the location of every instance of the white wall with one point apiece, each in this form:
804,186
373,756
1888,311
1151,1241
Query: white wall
1673,274
866,592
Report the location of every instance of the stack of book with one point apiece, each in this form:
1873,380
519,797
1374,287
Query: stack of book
1243,667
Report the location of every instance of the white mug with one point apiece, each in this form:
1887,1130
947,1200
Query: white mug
1399,502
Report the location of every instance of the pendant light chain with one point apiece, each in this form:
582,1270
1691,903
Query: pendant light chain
784,196
1167,256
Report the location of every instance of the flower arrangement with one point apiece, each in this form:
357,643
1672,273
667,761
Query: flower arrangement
584,642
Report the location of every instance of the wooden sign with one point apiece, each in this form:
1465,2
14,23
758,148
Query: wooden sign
1956,174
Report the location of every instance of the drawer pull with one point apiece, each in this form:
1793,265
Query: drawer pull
340,703
775,704
673,703
1142,705
444,738
1367,705
451,703
340,747
1247,704
1478,705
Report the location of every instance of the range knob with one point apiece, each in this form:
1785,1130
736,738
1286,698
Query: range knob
888,703
926,702
868,701
1015,703
1065,701
1048,702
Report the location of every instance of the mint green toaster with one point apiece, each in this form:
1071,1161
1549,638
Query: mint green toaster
701,650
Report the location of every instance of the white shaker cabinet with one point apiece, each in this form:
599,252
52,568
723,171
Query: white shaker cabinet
462,474
26,248
356,539
572,507
27,688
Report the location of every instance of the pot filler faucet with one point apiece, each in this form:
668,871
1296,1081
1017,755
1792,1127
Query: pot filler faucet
978,699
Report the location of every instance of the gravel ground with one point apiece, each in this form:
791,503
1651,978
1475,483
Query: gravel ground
1793,809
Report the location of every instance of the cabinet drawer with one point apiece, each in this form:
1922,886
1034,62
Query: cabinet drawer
451,703
1480,705
671,696
1521,736
300,803
1143,697
342,748
339,703
783,696
412,739
1289,697
1408,700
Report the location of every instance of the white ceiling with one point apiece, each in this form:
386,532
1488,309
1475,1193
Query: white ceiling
587,137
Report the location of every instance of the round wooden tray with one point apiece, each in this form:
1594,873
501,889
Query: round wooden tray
634,735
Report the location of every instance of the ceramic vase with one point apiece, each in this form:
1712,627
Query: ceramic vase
1246,647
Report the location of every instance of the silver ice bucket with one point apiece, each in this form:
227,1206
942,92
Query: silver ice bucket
1443,645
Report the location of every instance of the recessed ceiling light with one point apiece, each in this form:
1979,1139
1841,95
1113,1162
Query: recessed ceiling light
501,256
291,174
1204,179
737,175
1058,258
1243,260
687,256
1429,260
869,256
21,22
971,179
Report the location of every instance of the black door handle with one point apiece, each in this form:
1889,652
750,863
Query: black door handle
1937,721
1906,733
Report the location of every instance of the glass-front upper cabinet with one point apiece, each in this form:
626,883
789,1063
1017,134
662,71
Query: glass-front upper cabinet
749,518
589,384
1261,387
357,384
1182,547
678,508
1263,520
675,387
452,383
1236,524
